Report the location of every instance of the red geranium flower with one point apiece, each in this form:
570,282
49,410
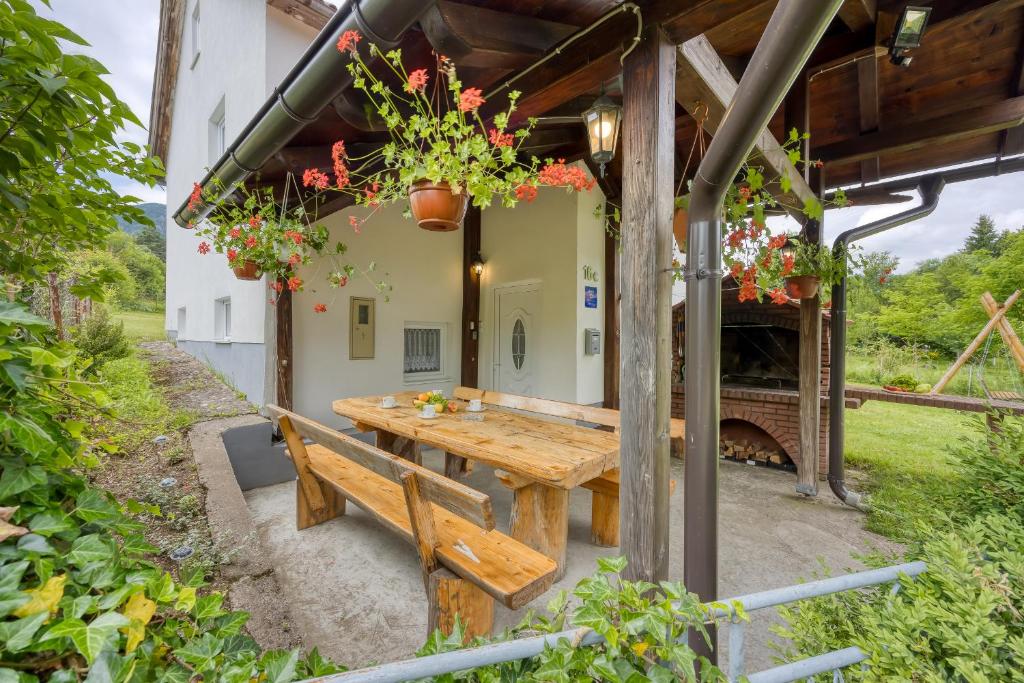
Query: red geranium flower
232,255
883,280
314,177
320,308
499,139
778,296
354,222
250,241
204,248
235,232
338,154
777,242
558,174
347,41
788,262
736,269
295,237
277,286
294,259
470,99
294,283
527,192
255,221
195,197
417,80
371,193
748,287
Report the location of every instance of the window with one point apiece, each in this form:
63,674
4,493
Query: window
222,319
218,133
424,351
181,323
194,37
518,344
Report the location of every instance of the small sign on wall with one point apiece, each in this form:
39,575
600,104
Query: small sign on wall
589,297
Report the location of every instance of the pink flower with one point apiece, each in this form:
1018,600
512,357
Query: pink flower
320,308
499,139
235,232
314,177
250,241
347,41
354,222
417,80
294,260
470,99
204,248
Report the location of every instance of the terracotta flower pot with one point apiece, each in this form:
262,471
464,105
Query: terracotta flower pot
435,207
249,270
680,224
802,286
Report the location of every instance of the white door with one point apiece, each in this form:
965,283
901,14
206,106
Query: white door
518,341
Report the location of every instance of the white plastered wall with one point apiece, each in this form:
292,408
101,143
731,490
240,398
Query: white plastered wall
425,271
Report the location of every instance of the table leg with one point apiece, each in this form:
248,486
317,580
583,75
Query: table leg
399,445
454,466
540,519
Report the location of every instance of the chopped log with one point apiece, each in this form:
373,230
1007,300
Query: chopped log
449,597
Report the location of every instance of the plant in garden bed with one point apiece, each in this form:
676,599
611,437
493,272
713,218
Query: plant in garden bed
441,153
642,625
259,238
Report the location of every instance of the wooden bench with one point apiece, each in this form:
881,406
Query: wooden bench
604,508
466,562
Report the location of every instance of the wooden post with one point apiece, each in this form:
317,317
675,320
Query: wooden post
974,345
1006,330
314,502
284,349
470,299
55,306
611,322
810,395
646,366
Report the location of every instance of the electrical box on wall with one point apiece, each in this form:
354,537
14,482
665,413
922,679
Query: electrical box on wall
361,318
591,341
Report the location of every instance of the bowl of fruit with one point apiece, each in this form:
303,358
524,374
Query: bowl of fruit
437,399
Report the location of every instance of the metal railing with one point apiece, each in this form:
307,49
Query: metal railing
497,653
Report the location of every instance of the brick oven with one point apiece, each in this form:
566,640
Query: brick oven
760,418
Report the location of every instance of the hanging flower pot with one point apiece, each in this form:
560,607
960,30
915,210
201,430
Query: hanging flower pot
435,207
680,224
802,286
249,270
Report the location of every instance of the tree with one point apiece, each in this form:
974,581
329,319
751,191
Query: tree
59,122
150,238
984,237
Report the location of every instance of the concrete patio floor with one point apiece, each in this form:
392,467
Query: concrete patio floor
356,593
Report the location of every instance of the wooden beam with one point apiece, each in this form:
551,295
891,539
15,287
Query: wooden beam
917,133
867,89
312,13
1006,330
810,395
1013,138
481,37
975,344
611,322
645,379
703,79
470,299
284,348
858,14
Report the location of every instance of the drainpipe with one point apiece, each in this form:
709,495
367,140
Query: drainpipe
791,35
316,79
930,187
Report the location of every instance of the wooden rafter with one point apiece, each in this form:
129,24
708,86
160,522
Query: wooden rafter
312,13
703,79
867,89
1013,138
858,14
918,133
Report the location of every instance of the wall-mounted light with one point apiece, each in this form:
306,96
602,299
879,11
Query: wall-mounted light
478,265
908,33
602,120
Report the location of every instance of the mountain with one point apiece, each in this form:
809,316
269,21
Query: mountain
156,212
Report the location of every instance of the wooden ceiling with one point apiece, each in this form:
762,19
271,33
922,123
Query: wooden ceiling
961,99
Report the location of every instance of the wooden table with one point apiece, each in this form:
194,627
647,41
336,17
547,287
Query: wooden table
543,459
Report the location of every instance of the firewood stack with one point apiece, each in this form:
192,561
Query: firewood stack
744,450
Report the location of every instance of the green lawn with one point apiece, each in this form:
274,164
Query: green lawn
903,450
142,326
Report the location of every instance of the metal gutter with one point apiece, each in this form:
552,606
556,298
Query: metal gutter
930,187
791,35
316,79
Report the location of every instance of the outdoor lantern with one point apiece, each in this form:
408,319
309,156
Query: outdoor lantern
789,248
602,121
908,33
478,265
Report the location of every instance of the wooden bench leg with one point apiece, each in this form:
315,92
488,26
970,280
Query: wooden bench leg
604,520
399,445
455,467
307,516
448,596
540,519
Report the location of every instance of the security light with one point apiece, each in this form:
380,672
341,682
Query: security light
908,33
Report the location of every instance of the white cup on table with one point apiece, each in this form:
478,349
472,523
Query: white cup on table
388,402
475,405
429,410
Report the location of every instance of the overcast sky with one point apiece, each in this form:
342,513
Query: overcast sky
123,35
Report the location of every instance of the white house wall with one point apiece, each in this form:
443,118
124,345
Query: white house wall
425,271
235,64
590,242
547,241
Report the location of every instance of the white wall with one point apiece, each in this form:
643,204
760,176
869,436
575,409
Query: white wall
548,240
287,39
425,271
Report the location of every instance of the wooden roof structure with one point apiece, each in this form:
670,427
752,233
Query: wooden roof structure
960,100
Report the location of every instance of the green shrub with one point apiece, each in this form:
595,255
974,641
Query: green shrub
101,339
992,471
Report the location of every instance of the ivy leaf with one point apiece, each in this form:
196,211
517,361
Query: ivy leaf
94,506
34,543
89,549
44,598
16,314
611,565
10,575
279,667
89,639
202,653
11,600
18,477
17,635
50,522
186,599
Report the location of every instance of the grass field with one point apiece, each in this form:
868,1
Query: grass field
904,451
142,326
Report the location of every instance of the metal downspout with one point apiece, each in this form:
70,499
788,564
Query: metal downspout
794,30
316,79
930,188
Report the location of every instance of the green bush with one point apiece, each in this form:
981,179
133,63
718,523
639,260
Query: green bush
992,471
101,339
